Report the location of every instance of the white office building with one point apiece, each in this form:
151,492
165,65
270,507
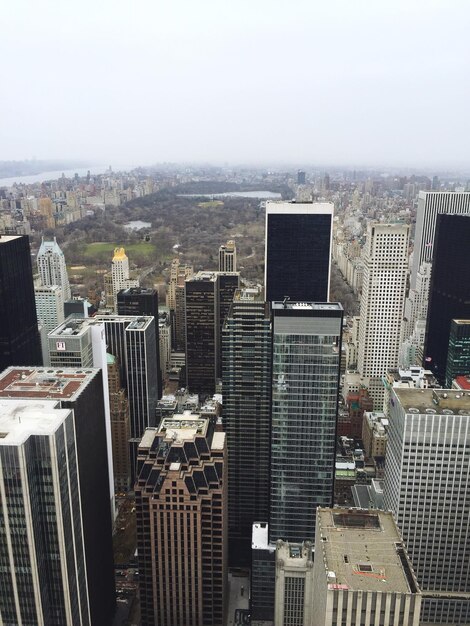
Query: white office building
385,258
427,486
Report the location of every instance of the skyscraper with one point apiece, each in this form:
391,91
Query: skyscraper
246,378
50,312
294,600
228,257
305,385
427,487
430,205
141,301
181,523
298,251
81,391
458,354
385,258
51,267
176,302
131,340
120,274
42,557
361,573
449,294
19,336
208,299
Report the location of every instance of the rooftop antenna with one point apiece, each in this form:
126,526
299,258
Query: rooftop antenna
284,302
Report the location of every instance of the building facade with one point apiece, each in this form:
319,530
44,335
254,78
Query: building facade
305,387
385,258
42,555
120,278
449,294
294,598
208,299
181,523
458,354
426,486
120,428
298,251
19,336
82,392
246,384
228,257
430,205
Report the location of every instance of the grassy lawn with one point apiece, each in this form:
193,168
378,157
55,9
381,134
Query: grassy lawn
210,204
103,248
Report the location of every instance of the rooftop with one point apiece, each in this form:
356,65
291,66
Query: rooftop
43,382
19,419
248,294
294,555
305,208
140,323
433,401
363,550
183,426
308,306
6,238
260,536
218,441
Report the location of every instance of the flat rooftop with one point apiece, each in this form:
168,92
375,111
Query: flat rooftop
248,294
19,419
437,401
44,382
308,306
363,550
183,426
294,555
72,327
303,208
6,238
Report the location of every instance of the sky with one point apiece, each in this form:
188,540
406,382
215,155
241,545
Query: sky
340,82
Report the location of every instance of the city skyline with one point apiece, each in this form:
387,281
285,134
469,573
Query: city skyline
205,83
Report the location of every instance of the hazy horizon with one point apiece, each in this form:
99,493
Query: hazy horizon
361,84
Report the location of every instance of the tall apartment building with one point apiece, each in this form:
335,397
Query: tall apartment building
228,257
430,205
362,574
458,354
120,427
246,384
142,301
181,523
449,294
50,312
42,556
131,340
305,386
19,336
120,274
208,298
176,302
298,251
426,486
294,600
82,391
385,258
51,267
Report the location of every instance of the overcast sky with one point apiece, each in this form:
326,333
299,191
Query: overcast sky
360,82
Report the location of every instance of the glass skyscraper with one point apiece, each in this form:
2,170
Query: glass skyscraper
42,555
305,382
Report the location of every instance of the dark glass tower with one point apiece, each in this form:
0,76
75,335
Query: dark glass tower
298,251
208,298
305,384
246,378
458,355
142,301
449,293
19,336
